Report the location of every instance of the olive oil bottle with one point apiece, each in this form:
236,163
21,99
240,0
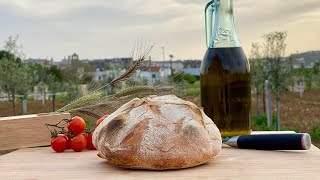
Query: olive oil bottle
225,73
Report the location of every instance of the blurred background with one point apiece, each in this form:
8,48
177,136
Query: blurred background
54,51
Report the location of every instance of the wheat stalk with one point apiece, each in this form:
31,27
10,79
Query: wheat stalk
95,97
110,103
89,113
133,68
143,90
96,104
88,99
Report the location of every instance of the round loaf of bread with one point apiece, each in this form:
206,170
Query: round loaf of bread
158,133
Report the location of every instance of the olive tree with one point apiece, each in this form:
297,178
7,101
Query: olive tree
15,77
258,72
274,49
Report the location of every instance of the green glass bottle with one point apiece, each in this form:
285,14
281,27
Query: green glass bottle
225,73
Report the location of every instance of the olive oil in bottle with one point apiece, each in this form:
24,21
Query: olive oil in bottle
225,73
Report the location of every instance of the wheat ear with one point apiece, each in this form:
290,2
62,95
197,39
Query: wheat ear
143,90
132,69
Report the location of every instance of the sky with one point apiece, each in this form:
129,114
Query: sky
110,28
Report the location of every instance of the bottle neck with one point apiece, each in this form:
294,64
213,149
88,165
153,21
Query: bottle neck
224,33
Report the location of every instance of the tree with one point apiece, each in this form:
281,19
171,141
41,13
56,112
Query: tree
12,46
316,70
274,49
316,67
47,78
7,55
15,77
307,75
258,74
292,77
75,72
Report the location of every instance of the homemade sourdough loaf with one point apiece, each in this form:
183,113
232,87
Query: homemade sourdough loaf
157,132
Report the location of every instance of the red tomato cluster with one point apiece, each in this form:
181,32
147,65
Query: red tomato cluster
75,139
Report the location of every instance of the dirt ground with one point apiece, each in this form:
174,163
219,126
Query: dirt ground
33,107
300,114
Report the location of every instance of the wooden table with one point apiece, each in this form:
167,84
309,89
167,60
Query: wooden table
231,163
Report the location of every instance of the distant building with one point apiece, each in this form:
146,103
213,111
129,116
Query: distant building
107,75
153,74
192,64
165,72
306,59
74,56
192,67
192,71
122,63
150,74
177,66
67,61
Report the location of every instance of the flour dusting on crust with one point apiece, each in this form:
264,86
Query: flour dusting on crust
157,132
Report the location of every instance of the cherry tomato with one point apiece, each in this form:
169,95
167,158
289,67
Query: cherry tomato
89,142
68,139
85,134
59,143
77,125
101,119
78,143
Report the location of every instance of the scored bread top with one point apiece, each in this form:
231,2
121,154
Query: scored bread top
157,132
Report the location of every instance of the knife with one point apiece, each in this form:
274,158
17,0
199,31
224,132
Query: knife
293,141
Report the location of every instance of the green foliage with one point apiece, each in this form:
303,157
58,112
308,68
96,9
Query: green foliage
257,68
85,79
9,56
12,46
74,72
193,89
56,72
274,48
182,77
308,76
260,122
47,76
315,132
271,65
267,64
71,89
15,77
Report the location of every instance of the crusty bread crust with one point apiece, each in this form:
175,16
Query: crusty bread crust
157,132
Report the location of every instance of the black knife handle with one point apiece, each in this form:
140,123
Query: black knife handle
294,141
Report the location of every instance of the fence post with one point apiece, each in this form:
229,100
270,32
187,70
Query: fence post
43,98
53,102
301,89
24,104
268,103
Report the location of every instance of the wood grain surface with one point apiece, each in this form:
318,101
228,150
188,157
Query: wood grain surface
27,131
231,163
